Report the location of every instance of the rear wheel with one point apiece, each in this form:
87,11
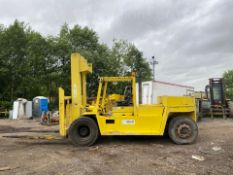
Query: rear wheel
83,132
183,130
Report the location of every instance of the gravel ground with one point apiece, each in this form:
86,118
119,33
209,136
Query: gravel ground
22,152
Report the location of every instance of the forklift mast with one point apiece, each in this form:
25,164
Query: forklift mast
215,91
70,107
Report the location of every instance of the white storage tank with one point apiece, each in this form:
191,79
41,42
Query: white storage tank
22,109
153,89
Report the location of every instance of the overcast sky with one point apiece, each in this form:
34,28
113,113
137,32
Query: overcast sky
191,39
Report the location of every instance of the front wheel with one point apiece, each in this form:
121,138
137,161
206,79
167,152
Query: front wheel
183,130
83,132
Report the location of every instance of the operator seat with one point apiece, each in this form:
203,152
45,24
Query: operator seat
127,97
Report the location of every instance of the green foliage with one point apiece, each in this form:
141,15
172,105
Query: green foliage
5,105
33,65
13,43
130,59
228,80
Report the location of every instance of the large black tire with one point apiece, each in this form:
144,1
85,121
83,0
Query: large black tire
182,130
83,132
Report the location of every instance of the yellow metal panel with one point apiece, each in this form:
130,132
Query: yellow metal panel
98,95
79,69
176,101
104,94
153,116
134,95
84,90
84,66
75,85
68,114
115,79
148,121
62,113
123,109
116,97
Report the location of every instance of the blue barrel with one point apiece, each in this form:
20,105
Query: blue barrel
39,105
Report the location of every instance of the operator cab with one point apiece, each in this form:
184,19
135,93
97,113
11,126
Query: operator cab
115,95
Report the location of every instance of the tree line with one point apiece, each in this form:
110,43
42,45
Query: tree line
33,64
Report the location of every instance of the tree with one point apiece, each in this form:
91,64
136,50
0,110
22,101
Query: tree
40,66
228,79
26,63
32,64
13,43
85,41
131,59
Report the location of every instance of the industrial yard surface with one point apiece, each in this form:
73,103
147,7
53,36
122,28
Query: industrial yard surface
22,152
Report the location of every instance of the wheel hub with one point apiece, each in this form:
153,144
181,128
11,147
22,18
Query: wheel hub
184,131
83,131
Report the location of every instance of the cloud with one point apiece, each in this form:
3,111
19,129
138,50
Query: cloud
192,40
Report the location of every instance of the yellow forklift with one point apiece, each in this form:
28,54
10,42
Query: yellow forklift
214,103
84,123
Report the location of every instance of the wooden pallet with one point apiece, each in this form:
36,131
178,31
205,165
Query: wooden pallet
215,111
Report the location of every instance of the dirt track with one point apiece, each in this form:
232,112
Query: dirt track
114,155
